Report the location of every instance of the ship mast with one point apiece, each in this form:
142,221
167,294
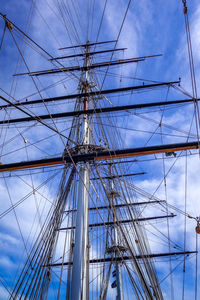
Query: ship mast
116,246
79,286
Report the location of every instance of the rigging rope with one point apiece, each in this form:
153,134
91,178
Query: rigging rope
192,69
197,115
119,33
4,30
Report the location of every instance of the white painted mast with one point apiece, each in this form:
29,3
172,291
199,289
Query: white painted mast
79,286
118,265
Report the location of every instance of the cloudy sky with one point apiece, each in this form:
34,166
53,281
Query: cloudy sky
150,28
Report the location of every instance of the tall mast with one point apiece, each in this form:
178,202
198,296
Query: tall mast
80,259
118,264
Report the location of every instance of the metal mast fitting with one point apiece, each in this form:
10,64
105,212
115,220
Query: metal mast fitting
97,93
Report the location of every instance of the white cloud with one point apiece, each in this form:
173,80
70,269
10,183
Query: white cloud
3,293
5,262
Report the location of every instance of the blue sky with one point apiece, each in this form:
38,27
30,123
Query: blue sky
151,27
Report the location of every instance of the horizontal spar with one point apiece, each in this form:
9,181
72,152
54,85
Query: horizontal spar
101,155
122,222
87,45
92,66
32,164
90,53
125,257
91,94
118,176
95,111
78,68
116,206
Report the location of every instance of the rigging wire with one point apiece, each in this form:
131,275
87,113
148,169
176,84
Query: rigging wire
100,25
4,30
196,110
46,23
56,129
36,118
118,36
16,218
27,195
192,69
185,228
166,198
